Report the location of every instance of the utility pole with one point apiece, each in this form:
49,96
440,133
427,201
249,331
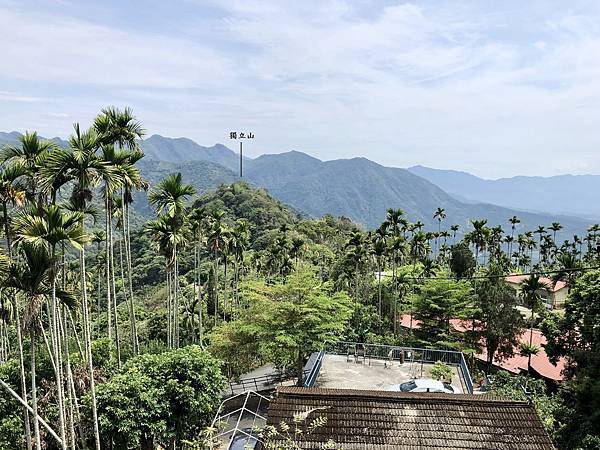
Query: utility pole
241,136
241,159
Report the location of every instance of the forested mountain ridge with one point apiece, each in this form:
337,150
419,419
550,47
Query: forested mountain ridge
357,188
262,212
560,194
363,191
176,150
204,175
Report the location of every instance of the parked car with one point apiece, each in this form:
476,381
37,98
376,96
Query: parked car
422,385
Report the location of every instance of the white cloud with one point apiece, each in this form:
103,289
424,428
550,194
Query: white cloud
71,51
494,91
16,97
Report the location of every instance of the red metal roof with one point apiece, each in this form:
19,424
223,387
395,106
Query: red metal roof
516,278
517,363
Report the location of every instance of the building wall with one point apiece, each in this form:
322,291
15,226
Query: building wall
559,298
551,300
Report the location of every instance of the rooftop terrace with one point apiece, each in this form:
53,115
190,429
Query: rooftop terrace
377,367
339,372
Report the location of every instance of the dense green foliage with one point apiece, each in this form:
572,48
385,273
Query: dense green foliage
284,323
161,398
438,301
115,335
523,388
575,336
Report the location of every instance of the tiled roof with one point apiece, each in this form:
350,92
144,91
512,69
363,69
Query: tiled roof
516,363
515,278
383,420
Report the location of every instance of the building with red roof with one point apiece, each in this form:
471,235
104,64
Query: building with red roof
517,364
553,296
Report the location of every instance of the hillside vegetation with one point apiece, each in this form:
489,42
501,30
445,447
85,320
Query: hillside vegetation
123,337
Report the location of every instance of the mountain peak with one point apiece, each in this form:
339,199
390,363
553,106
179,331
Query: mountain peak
177,150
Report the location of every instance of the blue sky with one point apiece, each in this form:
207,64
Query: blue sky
494,88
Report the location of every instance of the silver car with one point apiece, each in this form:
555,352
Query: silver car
422,385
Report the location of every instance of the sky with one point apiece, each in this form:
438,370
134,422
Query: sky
494,88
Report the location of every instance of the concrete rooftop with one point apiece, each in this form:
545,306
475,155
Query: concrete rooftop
341,372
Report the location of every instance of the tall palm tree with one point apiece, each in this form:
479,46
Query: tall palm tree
49,230
440,214
170,195
166,231
81,165
132,180
296,248
514,221
530,292
356,251
217,232
198,224
454,229
479,236
555,228
378,250
540,231
117,128
33,276
30,155
11,192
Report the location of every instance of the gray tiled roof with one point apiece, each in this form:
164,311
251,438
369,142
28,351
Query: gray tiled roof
382,420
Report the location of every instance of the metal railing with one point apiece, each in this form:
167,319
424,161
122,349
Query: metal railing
312,368
466,374
402,354
257,384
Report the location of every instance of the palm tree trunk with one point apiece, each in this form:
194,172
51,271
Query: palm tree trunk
75,334
98,292
88,346
169,327
379,286
176,300
127,297
530,342
107,264
36,426
37,418
22,373
200,306
71,398
56,355
216,281
225,288
196,285
356,275
136,344
114,289
3,344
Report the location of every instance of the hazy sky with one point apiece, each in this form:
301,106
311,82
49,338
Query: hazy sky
497,88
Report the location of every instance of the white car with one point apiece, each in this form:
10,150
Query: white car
422,385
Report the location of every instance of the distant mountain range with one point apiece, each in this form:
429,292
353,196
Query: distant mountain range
179,150
575,195
363,190
356,188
